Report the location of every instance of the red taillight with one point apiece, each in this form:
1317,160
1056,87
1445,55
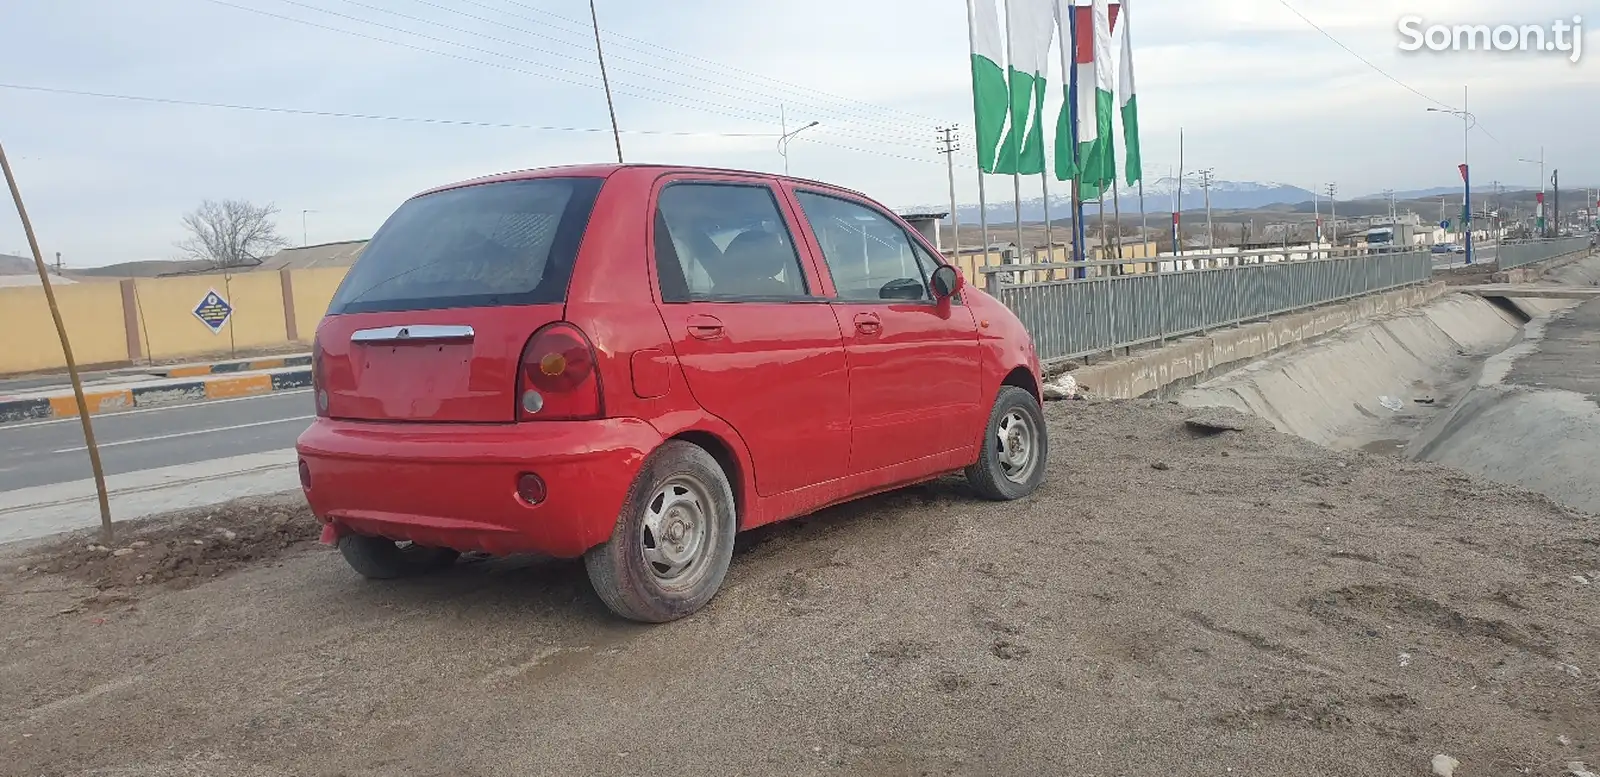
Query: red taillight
558,379
319,376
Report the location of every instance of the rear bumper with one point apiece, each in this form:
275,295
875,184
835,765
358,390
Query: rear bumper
455,485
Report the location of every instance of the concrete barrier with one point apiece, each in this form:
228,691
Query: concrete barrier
58,403
1178,365
1378,381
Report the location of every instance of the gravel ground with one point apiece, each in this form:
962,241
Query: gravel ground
1170,603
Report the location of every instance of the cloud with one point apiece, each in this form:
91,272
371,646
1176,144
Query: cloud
1260,95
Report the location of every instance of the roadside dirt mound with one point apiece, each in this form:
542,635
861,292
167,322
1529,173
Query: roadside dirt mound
181,549
1182,597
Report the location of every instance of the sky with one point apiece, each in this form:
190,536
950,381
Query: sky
1259,92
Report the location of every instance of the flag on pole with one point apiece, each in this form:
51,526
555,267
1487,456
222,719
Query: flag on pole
1100,165
1129,98
1029,29
1066,156
989,94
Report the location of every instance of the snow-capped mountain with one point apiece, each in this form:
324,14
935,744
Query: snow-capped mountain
1158,197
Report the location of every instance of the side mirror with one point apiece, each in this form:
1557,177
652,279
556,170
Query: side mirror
946,282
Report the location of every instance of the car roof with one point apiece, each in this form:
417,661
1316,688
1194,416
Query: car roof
606,170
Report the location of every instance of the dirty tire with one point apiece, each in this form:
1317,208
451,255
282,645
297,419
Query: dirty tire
376,558
673,541
1000,473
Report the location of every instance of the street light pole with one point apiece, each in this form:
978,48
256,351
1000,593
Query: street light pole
1467,120
304,232
783,143
1466,169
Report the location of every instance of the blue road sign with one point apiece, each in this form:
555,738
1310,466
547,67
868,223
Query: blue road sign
1444,224
213,311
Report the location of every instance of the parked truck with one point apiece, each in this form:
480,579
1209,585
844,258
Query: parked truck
1384,238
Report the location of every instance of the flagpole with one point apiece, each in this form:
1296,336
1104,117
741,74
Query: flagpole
1144,223
1044,185
1016,177
977,145
1177,208
1104,241
1116,208
1079,229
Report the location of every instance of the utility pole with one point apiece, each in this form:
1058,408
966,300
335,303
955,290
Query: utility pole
1388,201
1207,176
58,263
1555,203
1333,212
600,56
948,145
1316,233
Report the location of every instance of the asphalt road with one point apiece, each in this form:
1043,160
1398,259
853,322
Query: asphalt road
47,452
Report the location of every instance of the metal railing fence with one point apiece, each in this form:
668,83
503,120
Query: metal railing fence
1078,317
1523,252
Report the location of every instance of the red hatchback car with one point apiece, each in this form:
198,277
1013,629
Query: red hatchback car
632,363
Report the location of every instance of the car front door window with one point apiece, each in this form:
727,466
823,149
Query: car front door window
869,256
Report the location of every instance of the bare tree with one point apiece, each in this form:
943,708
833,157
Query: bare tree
231,233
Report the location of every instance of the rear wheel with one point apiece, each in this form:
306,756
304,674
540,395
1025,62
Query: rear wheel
377,558
1016,448
673,542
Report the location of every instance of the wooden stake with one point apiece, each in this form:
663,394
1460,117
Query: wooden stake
66,350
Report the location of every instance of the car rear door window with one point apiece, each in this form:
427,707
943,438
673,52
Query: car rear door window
509,243
869,256
725,243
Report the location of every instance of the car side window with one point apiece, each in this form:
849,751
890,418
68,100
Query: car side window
869,256
724,243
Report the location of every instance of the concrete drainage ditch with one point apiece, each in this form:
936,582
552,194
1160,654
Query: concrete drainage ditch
1508,389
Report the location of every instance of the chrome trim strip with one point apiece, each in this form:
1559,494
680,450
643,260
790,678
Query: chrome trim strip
427,332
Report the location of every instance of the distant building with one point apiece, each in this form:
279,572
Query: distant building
341,254
927,222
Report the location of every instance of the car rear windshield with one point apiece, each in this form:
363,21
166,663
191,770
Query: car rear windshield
509,243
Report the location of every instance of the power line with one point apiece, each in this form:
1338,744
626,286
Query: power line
703,107
1364,60
1352,52
719,66
902,140
831,113
369,116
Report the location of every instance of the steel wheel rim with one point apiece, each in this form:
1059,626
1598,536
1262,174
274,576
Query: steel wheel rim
1017,446
676,537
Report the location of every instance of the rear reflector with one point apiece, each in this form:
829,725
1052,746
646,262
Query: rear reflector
531,488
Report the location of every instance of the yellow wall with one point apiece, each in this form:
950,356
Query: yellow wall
93,316
167,325
257,320
313,290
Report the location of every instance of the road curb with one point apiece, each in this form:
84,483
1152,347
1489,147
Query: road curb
216,386
250,365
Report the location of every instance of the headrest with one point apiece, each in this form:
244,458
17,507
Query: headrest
757,254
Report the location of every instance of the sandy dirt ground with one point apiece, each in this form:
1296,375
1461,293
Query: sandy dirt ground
1170,603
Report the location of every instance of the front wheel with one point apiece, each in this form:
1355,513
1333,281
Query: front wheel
673,541
1016,448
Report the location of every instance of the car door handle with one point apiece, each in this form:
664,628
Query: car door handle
703,327
868,323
